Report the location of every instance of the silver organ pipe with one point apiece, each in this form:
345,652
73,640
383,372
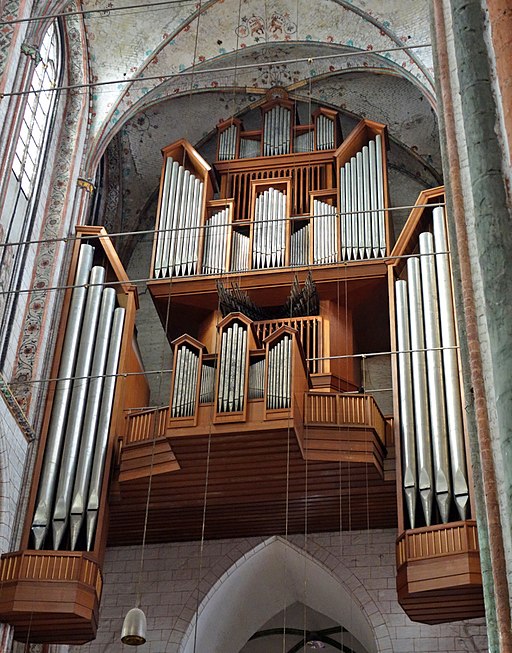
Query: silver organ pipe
435,376
324,133
420,389
227,143
436,418
304,142
325,243
77,405
269,235
276,131
299,250
162,233
186,372
256,379
62,395
231,380
409,474
249,148
179,222
362,220
92,409
102,432
374,198
450,366
380,195
82,408
239,251
215,239
279,374
360,217
207,388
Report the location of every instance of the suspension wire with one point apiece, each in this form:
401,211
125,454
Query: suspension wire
169,370
104,12
144,232
219,69
145,280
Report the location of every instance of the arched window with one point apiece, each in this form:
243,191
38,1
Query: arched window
22,210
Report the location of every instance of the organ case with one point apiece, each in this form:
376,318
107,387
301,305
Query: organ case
51,588
437,547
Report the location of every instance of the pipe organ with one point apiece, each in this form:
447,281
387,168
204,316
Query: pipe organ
282,271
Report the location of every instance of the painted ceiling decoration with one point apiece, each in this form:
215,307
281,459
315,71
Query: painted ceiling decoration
217,32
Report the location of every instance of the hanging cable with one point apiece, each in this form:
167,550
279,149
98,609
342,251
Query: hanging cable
219,69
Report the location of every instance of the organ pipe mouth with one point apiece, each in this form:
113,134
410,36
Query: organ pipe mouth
134,628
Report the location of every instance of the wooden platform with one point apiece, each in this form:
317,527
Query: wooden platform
438,573
50,596
247,471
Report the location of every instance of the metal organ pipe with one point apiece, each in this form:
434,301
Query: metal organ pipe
215,239
420,389
269,234
102,432
279,374
450,366
407,430
62,395
435,385
362,220
92,409
179,222
77,405
256,379
435,376
231,383
239,251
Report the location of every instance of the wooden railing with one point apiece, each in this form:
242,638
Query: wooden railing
146,424
51,565
344,410
310,336
305,178
437,541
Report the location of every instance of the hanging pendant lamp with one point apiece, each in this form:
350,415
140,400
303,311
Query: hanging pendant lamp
134,628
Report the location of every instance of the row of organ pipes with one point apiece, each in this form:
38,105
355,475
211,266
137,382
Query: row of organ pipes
360,225
72,473
181,210
363,229
277,136
432,435
228,375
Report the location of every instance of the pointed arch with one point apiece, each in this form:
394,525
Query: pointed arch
273,575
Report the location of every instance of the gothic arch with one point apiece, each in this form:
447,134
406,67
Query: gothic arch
275,574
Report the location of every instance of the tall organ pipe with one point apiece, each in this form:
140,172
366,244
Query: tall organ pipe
380,190
162,222
450,366
435,376
83,469
374,195
77,405
407,430
62,394
102,433
420,391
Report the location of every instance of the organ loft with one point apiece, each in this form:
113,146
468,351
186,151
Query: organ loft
279,276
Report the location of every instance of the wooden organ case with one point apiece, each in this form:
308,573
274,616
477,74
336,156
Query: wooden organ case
50,589
275,277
